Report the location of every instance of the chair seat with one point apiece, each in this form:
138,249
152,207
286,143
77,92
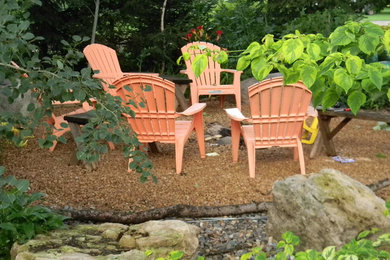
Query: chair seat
248,133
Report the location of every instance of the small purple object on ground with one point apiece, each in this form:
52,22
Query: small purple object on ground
343,159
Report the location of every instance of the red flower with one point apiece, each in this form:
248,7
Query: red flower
200,27
219,32
189,35
193,31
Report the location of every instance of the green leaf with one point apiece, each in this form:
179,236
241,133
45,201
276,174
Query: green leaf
30,107
22,185
76,38
28,36
242,63
355,100
28,229
222,57
260,68
60,65
376,77
8,226
199,64
291,76
386,40
339,37
308,75
289,249
380,155
363,234
330,98
388,94
368,42
253,47
314,51
354,64
176,255
343,79
186,56
292,50
6,199
329,252
268,40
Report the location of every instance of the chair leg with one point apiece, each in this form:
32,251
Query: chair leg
222,101
111,145
251,159
296,154
301,158
198,124
179,150
236,130
51,149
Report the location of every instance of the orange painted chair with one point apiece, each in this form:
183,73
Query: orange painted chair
155,121
209,82
277,116
104,59
57,120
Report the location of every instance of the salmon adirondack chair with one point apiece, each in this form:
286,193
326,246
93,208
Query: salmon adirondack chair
155,120
277,116
104,59
209,82
57,120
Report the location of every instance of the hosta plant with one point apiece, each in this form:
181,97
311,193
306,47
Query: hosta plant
334,68
19,219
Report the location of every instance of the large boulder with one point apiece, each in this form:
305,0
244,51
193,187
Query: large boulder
323,209
112,241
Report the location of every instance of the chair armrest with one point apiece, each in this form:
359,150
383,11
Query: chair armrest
236,72
195,108
235,114
236,76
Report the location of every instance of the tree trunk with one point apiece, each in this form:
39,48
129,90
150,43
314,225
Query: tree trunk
162,28
95,20
179,211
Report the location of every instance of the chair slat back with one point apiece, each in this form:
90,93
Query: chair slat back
278,111
153,101
105,60
211,75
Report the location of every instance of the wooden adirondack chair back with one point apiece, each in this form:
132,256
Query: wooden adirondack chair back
105,60
278,111
153,101
211,76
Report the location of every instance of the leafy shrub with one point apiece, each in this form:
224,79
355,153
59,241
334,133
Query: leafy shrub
56,79
334,68
19,219
323,22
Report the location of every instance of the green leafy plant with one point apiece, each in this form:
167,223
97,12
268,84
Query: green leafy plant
333,67
55,78
19,219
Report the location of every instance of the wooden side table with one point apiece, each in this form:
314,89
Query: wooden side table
325,135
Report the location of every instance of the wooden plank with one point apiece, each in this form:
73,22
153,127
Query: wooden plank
382,115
